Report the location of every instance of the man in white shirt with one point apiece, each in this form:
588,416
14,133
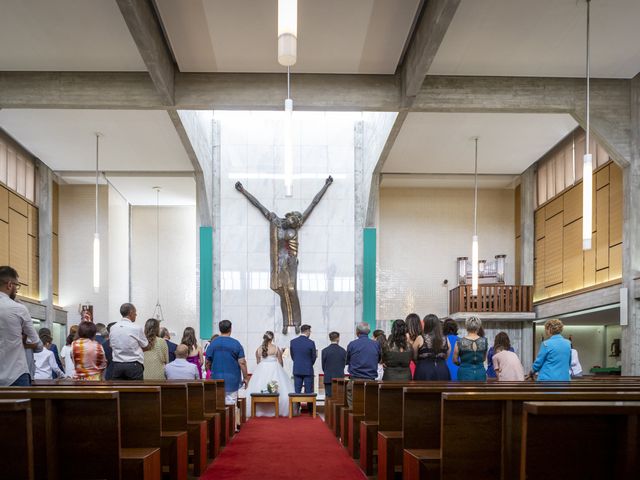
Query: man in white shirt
16,332
127,342
180,368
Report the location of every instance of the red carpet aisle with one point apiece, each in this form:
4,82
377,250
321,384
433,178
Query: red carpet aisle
302,448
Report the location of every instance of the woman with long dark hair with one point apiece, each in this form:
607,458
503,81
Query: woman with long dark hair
414,328
397,353
156,356
430,351
450,330
195,352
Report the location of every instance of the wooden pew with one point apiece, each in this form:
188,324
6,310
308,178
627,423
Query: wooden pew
478,422
369,427
141,418
354,417
226,414
211,408
16,442
390,396
86,422
603,439
338,402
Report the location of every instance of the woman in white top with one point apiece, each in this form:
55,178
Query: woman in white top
268,370
45,360
66,354
575,369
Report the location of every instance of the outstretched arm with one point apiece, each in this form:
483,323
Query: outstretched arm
254,201
316,199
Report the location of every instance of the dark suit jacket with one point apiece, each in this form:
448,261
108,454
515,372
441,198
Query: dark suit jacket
303,354
334,359
172,350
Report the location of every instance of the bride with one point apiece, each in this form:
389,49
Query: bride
269,369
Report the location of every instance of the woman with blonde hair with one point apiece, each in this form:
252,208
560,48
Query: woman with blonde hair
553,362
470,353
156,356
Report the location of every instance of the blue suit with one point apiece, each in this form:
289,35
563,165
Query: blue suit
172,350
334,358
303,354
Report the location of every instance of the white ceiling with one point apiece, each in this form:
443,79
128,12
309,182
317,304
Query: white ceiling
82,35
132,139
441,143
334,36
541,38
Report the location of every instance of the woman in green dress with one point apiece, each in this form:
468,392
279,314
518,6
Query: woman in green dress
470,353
397,353
156,356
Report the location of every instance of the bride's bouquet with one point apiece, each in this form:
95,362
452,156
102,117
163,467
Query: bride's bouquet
272,386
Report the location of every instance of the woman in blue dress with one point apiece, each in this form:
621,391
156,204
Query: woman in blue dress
450,330
470,353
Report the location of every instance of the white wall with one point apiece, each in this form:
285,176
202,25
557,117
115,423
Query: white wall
422,232
76,230
252,152
177,266
118,252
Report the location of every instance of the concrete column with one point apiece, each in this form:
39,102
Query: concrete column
45,240
527,225
631,240
215,213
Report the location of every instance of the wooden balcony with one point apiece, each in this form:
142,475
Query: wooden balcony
494,301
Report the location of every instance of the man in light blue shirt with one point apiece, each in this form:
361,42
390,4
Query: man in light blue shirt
180,368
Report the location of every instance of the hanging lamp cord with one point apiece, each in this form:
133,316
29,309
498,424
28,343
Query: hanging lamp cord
97,159
588,73
475,198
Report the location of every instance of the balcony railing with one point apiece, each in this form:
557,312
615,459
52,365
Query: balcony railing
496,298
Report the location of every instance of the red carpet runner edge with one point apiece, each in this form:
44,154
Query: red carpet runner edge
283,448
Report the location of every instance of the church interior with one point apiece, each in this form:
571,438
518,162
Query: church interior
440,197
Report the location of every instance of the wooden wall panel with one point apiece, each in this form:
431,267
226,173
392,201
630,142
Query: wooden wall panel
518,259
602,275
553,290
602,178
615,204
602,227
554,207
18,249
539,223
32,248
572,269
33,221
590,264
56,266
615,262
538,270
4,243
573,204
553,251
18,204
4,204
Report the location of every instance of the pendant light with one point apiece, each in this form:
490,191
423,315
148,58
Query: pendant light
474,241
157,312
587,169
96,235
288,140
287,32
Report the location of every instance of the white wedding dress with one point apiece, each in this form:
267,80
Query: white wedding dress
269,369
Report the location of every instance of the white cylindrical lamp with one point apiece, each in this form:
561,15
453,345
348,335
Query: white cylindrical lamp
287,32
587,201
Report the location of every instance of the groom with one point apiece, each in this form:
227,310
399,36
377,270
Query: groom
303,353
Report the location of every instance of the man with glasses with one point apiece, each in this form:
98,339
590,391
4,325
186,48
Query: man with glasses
16,333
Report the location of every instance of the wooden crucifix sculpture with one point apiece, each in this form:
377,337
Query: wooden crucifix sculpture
283,239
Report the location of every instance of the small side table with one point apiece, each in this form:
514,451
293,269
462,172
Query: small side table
302,397
265,398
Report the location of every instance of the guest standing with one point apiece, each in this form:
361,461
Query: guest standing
334,359
491,373
397,354
450,330
430,351
156,355
66,354
381,338
45,361
195,352
102,337
470,353
414,327
164,334
505,362
553,362
363,356
88,354
53,348
304,354
15,326
576,368
127,341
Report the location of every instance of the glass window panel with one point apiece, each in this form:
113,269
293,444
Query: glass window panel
551,184
3,163
559,170
12,160
542,184
603,156
21,176
30,179
569,176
